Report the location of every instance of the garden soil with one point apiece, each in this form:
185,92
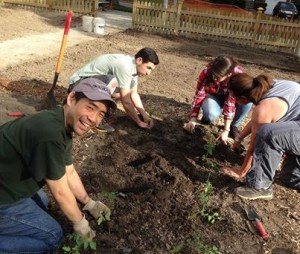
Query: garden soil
154,181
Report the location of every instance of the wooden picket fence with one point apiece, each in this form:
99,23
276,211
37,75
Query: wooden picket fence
77,6
253,30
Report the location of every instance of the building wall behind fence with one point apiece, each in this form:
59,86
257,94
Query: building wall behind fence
253,30
77,6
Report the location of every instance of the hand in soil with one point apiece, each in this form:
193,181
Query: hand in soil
232,172
223,137
98,210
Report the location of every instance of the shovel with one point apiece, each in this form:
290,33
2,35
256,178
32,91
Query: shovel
50,93
253,216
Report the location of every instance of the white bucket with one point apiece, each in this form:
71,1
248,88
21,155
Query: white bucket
87,23
99,24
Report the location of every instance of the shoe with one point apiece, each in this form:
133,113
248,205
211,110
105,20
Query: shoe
251,193
204,121
234,132
105,127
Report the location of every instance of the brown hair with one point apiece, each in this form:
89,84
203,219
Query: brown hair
220,67
253,89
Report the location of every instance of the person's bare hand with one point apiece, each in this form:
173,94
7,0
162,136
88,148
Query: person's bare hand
223,137
190,126
150,122
233,172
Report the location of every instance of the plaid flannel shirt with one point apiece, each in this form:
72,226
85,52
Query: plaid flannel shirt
221,89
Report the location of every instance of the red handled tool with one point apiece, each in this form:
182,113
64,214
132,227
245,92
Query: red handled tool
253,216
15,114
50,94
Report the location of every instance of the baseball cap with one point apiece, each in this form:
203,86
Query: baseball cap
95,90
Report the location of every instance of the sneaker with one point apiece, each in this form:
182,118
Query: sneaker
204,121
251,193
234,132
105,127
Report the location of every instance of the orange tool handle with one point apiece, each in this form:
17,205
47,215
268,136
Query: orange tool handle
261,229
64,42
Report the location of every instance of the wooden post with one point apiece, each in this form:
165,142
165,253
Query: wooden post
177,23
297,51
50,5
133,14
95,8
256,25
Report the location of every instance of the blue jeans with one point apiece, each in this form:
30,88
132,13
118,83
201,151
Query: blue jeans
272,140
212,108
25,227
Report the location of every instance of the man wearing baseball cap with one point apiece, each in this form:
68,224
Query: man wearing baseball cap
36,151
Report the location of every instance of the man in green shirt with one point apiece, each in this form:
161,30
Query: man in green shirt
126,69
36,150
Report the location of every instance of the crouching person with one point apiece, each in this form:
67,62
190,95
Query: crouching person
36,150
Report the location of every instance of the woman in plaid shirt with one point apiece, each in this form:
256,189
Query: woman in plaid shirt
213,97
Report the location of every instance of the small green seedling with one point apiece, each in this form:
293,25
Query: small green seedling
102,218
204,198
206,249
80,246
115,195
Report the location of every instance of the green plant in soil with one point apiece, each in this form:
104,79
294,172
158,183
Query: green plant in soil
115,195
79,245
204,209
209,148
195,243
204,248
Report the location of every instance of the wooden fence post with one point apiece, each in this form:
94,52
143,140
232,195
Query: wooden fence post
178,14
133,14
297,51
256,25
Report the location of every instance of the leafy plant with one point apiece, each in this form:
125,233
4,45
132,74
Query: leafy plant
80,245
194,242
206,248
101,219
115,195
204,199
177,248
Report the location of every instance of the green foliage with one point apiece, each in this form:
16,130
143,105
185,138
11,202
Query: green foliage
206,249
204,199
115,195
80,246
209,144
177,248
101,219
194,242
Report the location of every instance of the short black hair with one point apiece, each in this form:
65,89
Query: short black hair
148,55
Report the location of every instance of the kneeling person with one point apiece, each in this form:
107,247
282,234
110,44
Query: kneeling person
36,150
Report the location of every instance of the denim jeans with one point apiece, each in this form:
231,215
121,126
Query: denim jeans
272,140
25,227
212,108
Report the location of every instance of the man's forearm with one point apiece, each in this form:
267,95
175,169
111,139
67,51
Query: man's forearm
75,185
65,198
131,112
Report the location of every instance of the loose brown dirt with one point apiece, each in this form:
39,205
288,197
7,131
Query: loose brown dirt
152,179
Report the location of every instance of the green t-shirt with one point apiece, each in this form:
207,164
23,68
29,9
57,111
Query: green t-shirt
32,149
121,66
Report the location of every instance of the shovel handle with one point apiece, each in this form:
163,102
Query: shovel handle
261,229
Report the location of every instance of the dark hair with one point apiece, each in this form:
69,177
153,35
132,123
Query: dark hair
78,97
253,89
220,67
148,55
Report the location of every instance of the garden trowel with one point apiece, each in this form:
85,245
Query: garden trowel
253,216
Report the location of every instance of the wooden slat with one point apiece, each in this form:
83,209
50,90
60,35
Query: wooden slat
259,31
